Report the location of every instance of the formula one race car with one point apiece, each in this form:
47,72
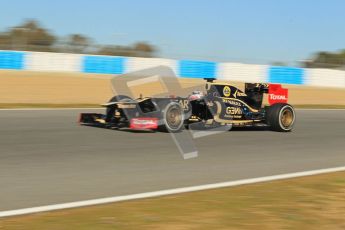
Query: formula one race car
222,104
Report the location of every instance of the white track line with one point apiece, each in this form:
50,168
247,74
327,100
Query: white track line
165,192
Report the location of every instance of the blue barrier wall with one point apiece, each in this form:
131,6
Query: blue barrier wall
103,64
286,75
197,69
11,60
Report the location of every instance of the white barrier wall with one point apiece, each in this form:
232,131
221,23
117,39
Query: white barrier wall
136,64
40,61
325,77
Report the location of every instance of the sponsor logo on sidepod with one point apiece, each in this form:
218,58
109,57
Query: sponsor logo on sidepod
237,93
233,110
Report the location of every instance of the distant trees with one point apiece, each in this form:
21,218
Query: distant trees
31,36
279,63
78,43
28,36
326,60
143,48
140,49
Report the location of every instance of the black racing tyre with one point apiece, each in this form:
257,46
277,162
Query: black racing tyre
172,118
281,117
111,109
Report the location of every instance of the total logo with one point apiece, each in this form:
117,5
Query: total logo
277,97
226,91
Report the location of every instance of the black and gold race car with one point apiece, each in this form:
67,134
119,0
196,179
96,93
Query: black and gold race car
221,104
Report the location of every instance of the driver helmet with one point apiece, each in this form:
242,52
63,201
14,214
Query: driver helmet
196,95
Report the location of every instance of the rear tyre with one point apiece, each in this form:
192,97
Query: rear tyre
172,118
281,117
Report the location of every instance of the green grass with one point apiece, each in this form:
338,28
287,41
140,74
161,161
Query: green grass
316,202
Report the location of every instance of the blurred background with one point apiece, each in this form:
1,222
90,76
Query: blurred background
295,33
298,43
30,35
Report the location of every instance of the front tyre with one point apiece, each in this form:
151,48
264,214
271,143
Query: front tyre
281,117
172,118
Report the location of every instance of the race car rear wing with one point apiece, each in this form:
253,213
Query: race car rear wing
277,94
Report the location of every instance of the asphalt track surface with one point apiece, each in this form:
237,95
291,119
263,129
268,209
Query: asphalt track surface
47,158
